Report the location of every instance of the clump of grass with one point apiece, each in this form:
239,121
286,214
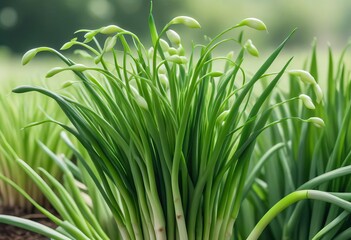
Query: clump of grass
17,141
170,137
309,158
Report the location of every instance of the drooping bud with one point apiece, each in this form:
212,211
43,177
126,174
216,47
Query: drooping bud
173,37
307,101
90,35
318,122
69,44
67,84
305,76
54,71
78,67
111,29
253,23
215,74
187,21
318,91
251,48
29,55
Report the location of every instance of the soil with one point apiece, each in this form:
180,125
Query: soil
8,232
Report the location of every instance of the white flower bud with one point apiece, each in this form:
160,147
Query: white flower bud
139,99
110,43
162,69
307,101
187,21
253,23
305,76
318,91
164,45
141,102
164,80
251,48
175,59
150,52
173,37
318,122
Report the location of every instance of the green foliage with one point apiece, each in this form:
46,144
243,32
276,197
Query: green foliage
170,137
18,141
311,159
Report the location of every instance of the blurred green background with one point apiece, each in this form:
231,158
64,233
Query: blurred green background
30,23
25,24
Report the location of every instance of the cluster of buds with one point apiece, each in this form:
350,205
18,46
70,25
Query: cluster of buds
307,78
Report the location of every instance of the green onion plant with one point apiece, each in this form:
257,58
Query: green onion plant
17,140
170,136
306,158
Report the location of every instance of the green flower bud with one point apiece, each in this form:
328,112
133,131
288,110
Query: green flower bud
187,21
172,51
318,122
307,101
183,59
215,74
318,91
173,37
69,44
28,56
251,48
180,50
54,71
78,67
111,29
174,59
253,23
90,35
305,76
67,84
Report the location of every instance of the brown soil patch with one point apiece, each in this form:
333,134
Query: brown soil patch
8,232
